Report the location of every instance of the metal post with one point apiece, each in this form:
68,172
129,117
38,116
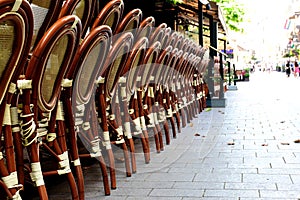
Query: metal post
200,21
229,73
221,94
234,80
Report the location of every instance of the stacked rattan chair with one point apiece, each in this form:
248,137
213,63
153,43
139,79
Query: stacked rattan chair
16,24
85,84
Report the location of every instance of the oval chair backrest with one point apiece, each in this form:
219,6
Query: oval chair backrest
157,33
115,62
148,66
130,22
88,62
132,66
170,66
110,15
81,8
161,64
51,59
16,30
146,27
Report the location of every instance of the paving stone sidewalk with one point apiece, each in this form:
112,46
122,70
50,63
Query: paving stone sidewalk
244,151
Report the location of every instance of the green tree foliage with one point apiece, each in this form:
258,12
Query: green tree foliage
233,12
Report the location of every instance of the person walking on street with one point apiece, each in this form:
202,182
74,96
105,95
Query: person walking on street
288,69
296,72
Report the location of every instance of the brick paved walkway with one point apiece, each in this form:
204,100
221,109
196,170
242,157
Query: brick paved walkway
244,151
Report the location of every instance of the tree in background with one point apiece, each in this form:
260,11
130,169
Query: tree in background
233,12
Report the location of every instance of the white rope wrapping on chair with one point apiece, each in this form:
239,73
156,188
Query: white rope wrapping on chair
127,130
16,5
131,111
151,120
27,132
24,84
145,107
86,126
151,92
36,174
96,150
67,83
106,141
76,162
51,137
60,112
112,117
178,85
123,93
120,139
155,118
169,112
199,95
11,181
100,80
17,196
80,110
122,79
64,164
7,115
1,155
161,115
12,88
184,101
14,115
143,123
137,125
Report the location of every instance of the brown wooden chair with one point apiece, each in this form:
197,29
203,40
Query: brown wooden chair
137,104
110,75
41,88
110,15
79,98
16,24
127,87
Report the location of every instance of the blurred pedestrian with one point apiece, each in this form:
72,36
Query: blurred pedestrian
296,72
288,69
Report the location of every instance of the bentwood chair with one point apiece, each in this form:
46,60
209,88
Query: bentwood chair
79,98
81,8
16,30
156,98
41,88
45,14
137,104
105,94
127,86
164,78
110,15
